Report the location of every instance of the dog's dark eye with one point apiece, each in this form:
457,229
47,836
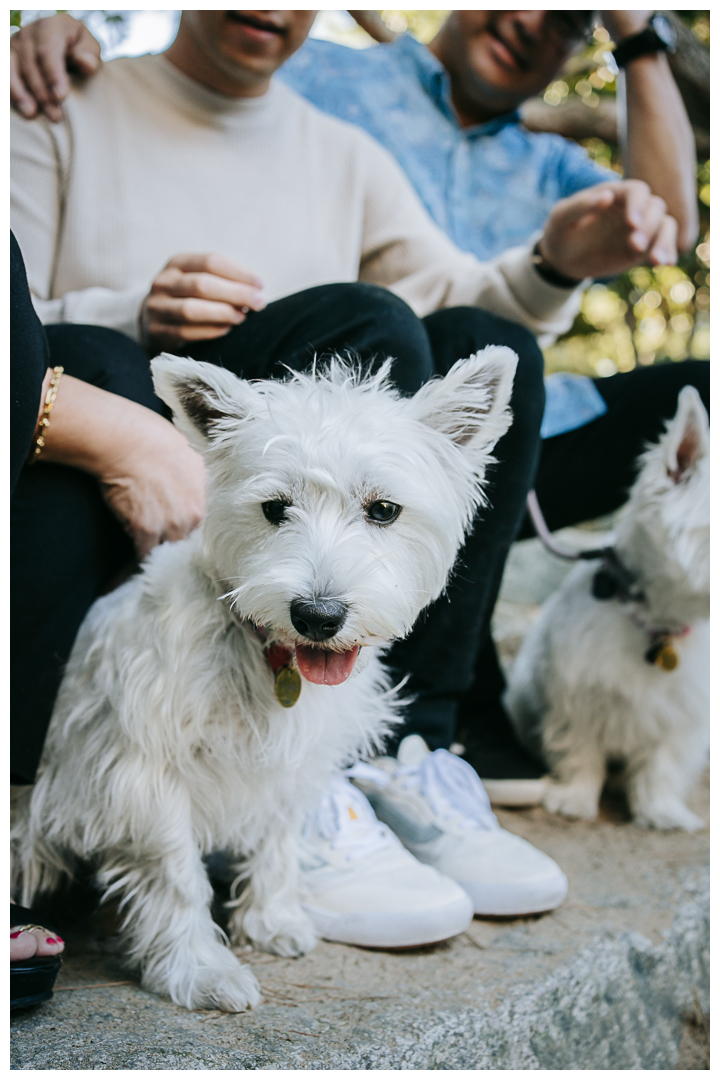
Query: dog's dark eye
274,511
382,512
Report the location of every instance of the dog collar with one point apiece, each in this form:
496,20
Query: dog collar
661,652
613,580
287,681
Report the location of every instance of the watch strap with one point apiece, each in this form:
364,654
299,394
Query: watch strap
644,43
549,274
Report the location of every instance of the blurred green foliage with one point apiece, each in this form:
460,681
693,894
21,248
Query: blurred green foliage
645,316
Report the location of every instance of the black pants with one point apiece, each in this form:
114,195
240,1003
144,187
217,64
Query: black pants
65,545
59,568
582,475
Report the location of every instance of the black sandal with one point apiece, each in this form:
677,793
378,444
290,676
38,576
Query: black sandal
31,980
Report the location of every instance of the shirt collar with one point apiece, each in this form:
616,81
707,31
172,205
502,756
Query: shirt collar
208,105
435,81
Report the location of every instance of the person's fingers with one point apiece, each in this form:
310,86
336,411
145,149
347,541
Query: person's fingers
179,311
664,248
635,195
144,541
161,335
210,287
174,337
219,265
653,213
85,52
571,210
20,97
178,530
31,74
23,46
52,44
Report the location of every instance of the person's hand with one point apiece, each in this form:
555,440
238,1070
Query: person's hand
154,483
41,55
149,475
622,24
608,228
197,298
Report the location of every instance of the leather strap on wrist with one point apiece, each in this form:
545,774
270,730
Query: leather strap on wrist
549,274
658,36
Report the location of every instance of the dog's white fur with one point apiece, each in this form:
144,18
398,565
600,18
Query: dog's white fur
581,692
166,741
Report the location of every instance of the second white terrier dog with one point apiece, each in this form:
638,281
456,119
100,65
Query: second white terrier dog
335,511
625,677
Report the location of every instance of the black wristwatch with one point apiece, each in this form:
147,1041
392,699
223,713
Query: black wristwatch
549,273
658,36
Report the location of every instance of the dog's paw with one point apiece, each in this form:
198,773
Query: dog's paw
233,992
571,800
209,978
292,936
670,815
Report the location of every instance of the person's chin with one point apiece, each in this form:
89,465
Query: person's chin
495,65
245,43
256,61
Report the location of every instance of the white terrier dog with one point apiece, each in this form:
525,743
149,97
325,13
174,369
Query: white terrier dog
335,511
616,669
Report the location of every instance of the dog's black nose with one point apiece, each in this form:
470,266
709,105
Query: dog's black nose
318,620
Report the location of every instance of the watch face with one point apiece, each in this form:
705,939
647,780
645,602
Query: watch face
665,31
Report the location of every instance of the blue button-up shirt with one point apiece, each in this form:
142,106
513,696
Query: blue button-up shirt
489,187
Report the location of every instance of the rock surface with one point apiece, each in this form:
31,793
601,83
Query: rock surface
609,981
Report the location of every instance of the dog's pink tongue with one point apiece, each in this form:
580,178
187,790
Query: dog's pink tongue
325,667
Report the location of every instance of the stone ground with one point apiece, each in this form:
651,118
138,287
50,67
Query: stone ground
616,978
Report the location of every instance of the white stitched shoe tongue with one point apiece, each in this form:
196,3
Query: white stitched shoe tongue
325,667
412,750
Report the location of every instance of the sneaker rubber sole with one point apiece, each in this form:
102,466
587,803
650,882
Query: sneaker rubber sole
514,900
393,930
516,793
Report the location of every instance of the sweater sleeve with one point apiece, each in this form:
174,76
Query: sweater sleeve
39,169
405,251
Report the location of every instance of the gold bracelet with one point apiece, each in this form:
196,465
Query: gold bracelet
44,422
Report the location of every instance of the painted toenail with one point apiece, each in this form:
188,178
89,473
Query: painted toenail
50,941
17,933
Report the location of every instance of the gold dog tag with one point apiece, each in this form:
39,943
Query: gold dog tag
288,684
667,658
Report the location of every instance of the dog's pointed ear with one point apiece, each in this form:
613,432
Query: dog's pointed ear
688,436
471,403
199,395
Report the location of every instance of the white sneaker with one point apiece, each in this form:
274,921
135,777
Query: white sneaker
437,806
363,888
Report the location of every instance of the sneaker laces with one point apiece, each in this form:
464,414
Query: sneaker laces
451,786
346,819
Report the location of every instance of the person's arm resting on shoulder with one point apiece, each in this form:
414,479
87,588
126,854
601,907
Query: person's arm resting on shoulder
42,55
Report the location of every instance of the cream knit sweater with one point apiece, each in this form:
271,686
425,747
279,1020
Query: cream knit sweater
148,164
